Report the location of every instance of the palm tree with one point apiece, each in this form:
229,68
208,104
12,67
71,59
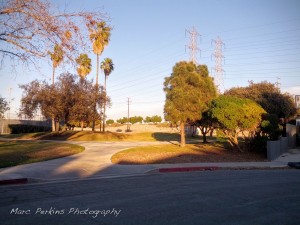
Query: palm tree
57,57
84,66
100,36
107,66
83,69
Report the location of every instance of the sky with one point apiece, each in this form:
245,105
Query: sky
261,42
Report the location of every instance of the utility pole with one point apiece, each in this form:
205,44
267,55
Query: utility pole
193,46
218,70
128,125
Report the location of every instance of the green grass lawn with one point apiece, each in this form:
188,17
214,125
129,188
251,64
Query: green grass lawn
171,153
14,153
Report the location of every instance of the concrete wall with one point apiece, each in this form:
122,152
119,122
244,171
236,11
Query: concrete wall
277,148
4,129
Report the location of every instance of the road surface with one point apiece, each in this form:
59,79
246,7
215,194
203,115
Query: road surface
209,197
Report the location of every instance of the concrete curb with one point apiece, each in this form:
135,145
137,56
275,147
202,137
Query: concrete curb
14,181
188,169
214,168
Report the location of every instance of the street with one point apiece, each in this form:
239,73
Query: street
210,197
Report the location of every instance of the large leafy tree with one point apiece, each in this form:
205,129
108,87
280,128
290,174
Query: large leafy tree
3,107
31,28
71,101
268,96
206,124
236,116
188,92
107,66
82,108
52,102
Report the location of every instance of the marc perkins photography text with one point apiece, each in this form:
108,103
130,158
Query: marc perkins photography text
70,211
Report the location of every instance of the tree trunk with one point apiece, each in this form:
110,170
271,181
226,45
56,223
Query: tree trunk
104,107
97,75
182,133
204,137
82,125
53,124
53,72
53,120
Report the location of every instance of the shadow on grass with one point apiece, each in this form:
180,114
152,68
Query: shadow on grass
192,153
169,137
204,157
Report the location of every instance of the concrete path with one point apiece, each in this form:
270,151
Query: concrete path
95,162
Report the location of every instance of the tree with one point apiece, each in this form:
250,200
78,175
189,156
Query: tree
206,124
100,36
236,116
107,66
82,106
122,120
71,101
188,91
52,102
31,28
3,107
57,57
136,119
153,119
268,96
84,65
110,121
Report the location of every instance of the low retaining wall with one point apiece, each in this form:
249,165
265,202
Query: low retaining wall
4,129
277,148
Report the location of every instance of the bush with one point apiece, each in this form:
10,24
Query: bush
257,144
24,128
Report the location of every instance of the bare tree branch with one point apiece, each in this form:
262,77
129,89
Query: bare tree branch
31,28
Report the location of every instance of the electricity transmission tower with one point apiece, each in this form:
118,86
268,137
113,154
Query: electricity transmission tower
277,83
218,70
128,118
192,46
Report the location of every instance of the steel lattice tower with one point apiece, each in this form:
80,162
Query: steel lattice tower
193,46
218,70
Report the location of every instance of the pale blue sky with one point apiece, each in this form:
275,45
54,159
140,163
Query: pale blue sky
262,42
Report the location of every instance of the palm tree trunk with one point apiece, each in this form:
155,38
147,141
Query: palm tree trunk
53,120
97,75
104,107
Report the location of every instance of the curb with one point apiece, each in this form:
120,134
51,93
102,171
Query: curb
14,181
188,169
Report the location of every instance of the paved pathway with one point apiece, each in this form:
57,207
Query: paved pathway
95,162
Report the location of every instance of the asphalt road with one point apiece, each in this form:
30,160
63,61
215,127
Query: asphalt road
211,197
